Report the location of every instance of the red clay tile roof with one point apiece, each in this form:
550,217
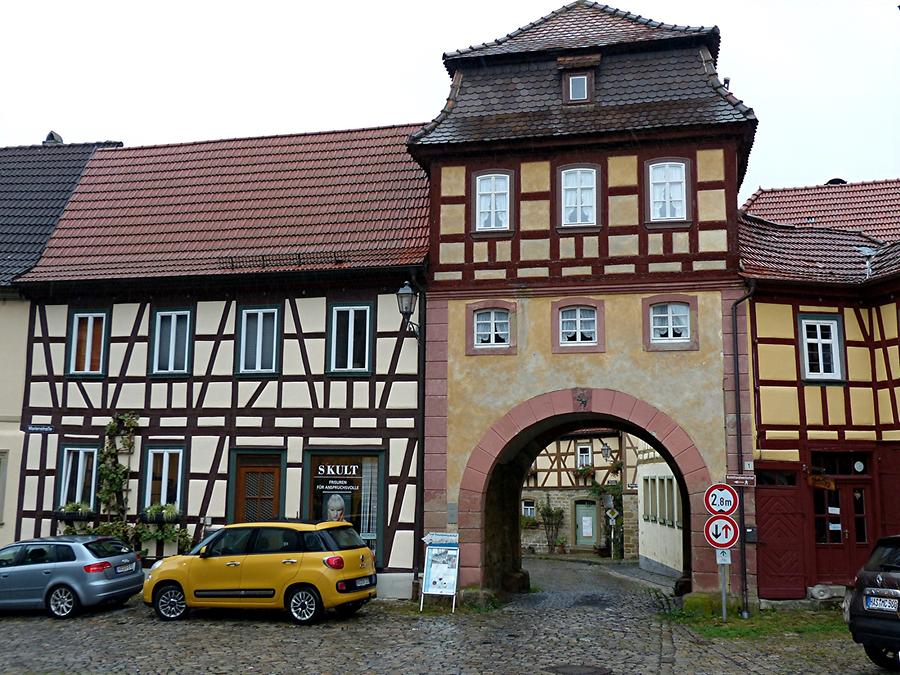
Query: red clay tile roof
579,25
822,255
321,201
872,207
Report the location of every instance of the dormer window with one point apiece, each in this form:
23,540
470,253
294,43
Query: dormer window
578,87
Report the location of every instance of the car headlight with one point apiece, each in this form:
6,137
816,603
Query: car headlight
156,564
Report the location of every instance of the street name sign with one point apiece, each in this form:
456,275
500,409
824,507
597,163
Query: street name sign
721,531
721,499
741,479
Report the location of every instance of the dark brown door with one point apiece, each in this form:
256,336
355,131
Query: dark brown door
258,488
779,517
843,530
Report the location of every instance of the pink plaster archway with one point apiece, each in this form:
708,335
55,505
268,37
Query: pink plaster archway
672,437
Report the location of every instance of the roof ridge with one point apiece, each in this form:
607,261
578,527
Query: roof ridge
62,145
799,228
712,78
273,136
761,190
612,11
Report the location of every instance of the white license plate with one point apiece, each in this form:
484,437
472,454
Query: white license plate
362,582
881,604
125,568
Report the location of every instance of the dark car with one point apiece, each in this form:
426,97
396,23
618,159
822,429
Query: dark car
62,574
874,605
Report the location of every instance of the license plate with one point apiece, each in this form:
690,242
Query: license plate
125,568
881,604
365,581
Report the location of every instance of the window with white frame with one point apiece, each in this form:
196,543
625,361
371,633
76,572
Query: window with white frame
492,328
79,476
577,326
668,186
350,338
528,508
171,342
579,196
258,340
821,348
163,476
646,498
88,343
585,455
670,322
492,212
653,503
662,514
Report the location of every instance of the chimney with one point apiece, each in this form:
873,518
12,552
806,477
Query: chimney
53,138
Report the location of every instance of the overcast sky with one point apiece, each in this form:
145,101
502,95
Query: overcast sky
822,75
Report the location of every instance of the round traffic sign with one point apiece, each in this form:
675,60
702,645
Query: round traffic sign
721,499
721,531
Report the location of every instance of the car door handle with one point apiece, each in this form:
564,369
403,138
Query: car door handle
289,561
233,563
46,571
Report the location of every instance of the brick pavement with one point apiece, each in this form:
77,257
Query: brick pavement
583,621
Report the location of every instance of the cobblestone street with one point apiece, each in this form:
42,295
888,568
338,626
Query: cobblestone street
583,620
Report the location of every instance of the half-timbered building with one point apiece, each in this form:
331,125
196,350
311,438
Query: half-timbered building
583,267
824,262
35,183
238,296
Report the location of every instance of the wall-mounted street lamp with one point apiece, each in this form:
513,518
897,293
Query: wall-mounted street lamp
605,450
406,303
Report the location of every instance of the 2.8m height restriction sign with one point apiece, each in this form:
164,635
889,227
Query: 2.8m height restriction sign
721,531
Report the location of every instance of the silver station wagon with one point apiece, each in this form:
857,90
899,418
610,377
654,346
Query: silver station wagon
63,574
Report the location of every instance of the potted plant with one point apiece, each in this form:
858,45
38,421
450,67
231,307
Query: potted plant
529,523
561,544
75,511
160,514
584,472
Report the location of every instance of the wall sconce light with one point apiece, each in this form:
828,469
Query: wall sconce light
406,303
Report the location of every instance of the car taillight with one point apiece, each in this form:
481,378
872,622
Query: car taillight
335,562
97,567
137,557
341,586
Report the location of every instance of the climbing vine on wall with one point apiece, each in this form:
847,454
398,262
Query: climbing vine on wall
112,475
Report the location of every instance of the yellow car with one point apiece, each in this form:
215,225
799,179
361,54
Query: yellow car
304,568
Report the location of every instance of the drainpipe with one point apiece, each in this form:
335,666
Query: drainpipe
420,463
742,521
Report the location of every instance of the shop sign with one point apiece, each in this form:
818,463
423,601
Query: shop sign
822,482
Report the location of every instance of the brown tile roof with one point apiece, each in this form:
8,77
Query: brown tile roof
321,201
872,207
822,255
581,25
633,91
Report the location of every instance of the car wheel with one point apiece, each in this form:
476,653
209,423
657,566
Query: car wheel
889,659
349,609
304,605
169,603
62,602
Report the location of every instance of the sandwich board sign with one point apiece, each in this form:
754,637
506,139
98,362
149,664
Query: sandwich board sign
441,566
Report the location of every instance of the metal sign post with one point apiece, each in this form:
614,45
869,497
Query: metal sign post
723,558
721,532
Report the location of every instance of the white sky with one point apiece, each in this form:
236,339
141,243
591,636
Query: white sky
822,75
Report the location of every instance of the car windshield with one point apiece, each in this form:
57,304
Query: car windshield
107,548
344,538
885,558
204,542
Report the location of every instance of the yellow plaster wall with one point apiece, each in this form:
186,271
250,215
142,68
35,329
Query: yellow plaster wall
852,328
889,319
453,218
835,398
859,365
622,171
779,405
710,205
812,399
623,210
483,388
862,405
773,320
13,347
885,411
453,181
777,362
535,176
711,165
535,214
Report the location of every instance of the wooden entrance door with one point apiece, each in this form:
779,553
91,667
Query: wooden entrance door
780,519
843,529
257,494
585,525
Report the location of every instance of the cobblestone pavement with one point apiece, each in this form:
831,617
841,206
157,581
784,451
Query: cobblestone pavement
582,621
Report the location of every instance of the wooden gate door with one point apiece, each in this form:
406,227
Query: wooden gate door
779,553
585,527
258,488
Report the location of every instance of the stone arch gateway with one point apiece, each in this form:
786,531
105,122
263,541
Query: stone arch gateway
492,478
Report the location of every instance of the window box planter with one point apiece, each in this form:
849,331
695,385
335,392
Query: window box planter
74,516
159,518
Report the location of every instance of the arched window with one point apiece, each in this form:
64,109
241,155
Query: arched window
578,191
492,202
670,322
668,190
577,326
492,328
